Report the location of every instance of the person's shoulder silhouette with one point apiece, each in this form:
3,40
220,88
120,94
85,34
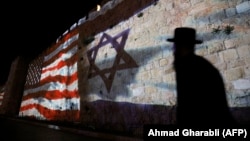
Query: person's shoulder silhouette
201,96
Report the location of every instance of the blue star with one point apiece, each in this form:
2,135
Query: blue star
129,62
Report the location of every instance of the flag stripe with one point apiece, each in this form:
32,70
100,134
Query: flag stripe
49,114
61,47
65,51
63,71
31,111
62,79
52,94
54,86
58,104
58,63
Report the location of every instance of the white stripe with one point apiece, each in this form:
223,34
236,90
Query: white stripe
61,47
73,26
67,31
63,71
64,57
53,86
57,104
32,112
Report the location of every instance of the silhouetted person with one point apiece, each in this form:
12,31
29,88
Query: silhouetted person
201,97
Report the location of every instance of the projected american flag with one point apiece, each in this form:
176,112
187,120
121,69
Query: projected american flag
51,89
1,95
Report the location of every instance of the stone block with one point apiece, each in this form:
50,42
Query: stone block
241,84
156,73
243,51
194,2
247,60
169,78
150,90
217,16
241,101
239,93
230,12
245,38
149,66
185,4
188,21
201,21
236,63
247,71
215,47
201,51
232,43
221,66
243,7
156,63
234,74
229,55
146,75
213,58
169,6
201,7
168,53
138,91
168,69
170,98
163,62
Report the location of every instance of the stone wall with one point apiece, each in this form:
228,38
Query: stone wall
127,68
125,73
146,31
14,87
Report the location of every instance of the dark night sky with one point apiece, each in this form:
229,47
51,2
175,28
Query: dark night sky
30,27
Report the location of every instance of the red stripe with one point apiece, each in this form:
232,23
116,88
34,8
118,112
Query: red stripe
59,53
54,114
52,95
71,78
55,94
67,36
62,40
62,79
61,64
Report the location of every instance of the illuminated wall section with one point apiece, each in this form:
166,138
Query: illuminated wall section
123,72
122,77
127,75
51,89
1,94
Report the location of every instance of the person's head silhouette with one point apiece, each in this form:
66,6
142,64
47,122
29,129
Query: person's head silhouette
184,41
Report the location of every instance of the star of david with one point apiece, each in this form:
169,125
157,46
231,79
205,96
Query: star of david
108,74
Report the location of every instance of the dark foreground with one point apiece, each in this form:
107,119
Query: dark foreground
19,130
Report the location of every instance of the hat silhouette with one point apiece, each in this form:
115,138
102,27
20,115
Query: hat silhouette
186,35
